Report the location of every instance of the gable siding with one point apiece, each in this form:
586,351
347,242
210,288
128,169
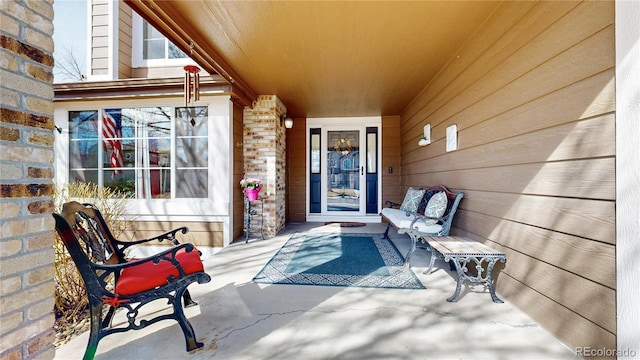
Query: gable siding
99,37
124,40
532,95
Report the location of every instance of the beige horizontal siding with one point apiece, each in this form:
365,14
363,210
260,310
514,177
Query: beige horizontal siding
296,172
532,95
99,38
391,189
200,233
125,42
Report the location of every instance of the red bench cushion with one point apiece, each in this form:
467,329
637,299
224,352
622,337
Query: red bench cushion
148,275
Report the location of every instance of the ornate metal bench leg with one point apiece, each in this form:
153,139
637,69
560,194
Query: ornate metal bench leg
187,329
407,259
434,255
188,302
386,233
492,290
461,277
94,333
106,322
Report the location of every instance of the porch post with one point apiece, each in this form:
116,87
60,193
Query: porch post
264,148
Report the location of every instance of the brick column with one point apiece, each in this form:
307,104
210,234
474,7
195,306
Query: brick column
26,173
264,146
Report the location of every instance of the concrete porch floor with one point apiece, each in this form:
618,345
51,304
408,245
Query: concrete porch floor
238,319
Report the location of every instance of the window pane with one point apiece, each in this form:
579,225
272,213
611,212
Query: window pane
128,153
160,153
83,176
192,183
83,154
153,49
83,124
123,181
149,32
192,121
160,168
372,151
151,129
83,146
175,52
315,153
112,157
153,42
192,152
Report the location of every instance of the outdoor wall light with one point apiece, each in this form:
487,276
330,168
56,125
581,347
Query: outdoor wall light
288,123
425,139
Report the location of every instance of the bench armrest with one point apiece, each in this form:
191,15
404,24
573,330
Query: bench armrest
165,255
392,204
169,235
422,217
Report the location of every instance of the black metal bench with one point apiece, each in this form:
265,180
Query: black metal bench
114,281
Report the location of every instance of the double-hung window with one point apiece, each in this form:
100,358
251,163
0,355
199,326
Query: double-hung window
152,49
157,46
147,152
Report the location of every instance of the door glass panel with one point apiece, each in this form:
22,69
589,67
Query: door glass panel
372,152
315,153
343,170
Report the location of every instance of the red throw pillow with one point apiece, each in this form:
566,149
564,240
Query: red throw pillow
148,275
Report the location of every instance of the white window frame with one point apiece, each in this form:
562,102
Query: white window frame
216,207
137,46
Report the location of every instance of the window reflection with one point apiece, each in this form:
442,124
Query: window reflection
343,171
132,150
192,152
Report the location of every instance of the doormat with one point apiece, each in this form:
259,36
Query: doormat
358,260
346,224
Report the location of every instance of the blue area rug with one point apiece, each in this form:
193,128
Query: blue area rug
361,260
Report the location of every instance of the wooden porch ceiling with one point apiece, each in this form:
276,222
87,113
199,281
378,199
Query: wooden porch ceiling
322,58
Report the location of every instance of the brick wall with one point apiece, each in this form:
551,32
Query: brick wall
264,147
26,172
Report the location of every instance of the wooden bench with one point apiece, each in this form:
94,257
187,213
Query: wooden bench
116,282
461,252
417,224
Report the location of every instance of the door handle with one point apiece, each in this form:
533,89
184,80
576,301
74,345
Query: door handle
361,170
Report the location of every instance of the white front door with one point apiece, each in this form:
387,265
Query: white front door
343,177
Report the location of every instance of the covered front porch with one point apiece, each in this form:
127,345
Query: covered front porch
239,319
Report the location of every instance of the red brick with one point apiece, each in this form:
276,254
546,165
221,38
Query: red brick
40,173
26,119
25,50
9,134
40,343
15,354
25,190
